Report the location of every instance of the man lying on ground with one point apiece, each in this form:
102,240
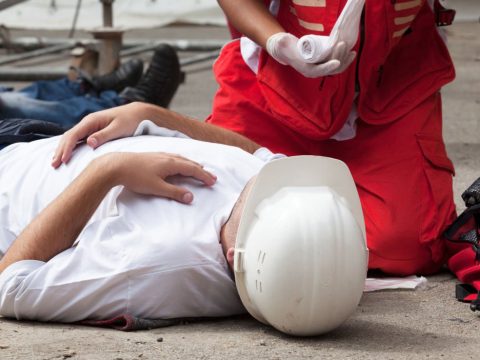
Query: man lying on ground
109,240
462,259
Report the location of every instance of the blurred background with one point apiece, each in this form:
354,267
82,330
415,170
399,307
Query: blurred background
59,14
40,39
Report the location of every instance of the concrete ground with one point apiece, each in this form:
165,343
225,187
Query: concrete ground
427,323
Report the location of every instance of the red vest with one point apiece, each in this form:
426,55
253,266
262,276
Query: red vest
402,61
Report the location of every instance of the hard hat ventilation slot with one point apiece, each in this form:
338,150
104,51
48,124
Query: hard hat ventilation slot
258,285
260,261
261,257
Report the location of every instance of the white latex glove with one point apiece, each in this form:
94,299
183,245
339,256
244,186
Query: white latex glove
283,48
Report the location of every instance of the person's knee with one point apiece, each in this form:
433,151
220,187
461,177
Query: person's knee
398,248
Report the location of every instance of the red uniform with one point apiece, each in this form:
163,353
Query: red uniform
397,158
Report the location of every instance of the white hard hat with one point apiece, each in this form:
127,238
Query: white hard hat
301,258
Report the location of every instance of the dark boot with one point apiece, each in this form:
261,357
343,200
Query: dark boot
127,74
160,81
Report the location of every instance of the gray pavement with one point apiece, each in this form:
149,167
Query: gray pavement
422,324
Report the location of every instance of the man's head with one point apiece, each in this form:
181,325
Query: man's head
229,230
300,257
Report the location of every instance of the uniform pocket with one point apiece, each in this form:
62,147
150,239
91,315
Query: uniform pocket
435,154
315,108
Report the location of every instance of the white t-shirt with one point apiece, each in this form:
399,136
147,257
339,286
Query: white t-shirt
142,255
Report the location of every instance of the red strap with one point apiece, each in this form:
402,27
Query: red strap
470,298
443,16
467,269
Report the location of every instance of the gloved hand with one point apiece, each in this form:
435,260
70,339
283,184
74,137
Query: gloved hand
283,48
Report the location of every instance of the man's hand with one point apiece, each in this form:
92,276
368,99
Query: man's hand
284,48
59,224
99,128
103,126
146,173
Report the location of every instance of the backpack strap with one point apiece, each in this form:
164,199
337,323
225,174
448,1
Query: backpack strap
443,16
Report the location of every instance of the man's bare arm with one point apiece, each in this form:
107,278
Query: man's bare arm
59,224
198,130
103,126
252,19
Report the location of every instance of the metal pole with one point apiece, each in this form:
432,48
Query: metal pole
182,45
200,58
20,74
5,4
109,46
8,73
139,49
107,13
75,19
35,53
183,62
110,41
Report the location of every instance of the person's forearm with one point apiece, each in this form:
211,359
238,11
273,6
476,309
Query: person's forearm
57,226
251,18
196,129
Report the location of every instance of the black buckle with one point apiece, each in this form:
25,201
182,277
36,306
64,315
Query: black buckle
462,291
475,304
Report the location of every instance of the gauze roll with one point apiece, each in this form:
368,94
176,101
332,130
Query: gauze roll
316,48
282,47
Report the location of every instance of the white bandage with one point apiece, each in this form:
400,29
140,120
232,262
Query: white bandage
283,48
316,48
